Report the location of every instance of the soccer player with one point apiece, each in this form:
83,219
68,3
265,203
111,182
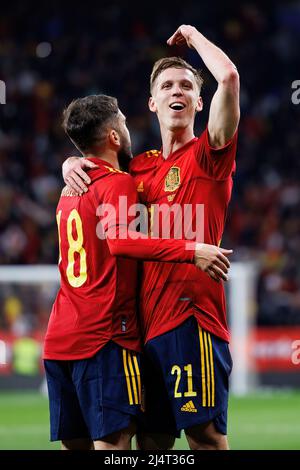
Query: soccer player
92,344
183,311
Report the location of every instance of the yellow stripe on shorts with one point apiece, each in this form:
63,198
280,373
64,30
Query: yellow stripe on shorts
202,367
132,374
138,375
207,368
212,371
127,377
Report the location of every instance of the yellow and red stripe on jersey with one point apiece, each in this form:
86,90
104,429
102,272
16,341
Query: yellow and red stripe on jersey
152,153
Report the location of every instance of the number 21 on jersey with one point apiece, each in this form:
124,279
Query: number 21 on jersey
189,376
75,246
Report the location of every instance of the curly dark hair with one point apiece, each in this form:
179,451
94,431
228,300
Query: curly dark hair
86,119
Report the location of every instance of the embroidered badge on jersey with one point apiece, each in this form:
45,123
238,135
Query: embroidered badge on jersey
172,181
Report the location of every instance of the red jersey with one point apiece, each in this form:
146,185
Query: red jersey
96,301
195,174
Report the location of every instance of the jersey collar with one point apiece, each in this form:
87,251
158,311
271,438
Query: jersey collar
178,152
99,161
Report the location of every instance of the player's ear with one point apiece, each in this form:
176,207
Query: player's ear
199,105
152,105
114,137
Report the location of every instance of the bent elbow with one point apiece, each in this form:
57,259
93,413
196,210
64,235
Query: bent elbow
113,247
231,77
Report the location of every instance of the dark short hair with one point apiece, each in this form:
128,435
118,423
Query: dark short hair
86,119
176,62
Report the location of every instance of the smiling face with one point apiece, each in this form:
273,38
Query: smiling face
175,98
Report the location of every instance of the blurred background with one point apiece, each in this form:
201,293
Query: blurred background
51,53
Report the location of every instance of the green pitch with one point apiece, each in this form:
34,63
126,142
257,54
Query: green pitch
260,421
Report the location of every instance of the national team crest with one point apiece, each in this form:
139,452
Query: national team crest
172,181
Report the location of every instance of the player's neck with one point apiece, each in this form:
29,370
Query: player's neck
108,155
174,140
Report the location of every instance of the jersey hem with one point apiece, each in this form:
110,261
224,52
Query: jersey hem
69,357
223,335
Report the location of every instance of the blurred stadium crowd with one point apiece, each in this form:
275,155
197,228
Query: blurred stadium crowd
54,52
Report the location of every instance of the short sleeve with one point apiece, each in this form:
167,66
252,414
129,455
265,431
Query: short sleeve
218,163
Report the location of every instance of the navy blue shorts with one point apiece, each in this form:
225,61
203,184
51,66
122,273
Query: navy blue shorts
186,373
94,397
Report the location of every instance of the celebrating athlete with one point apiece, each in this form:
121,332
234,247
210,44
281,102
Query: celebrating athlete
92,343
182,309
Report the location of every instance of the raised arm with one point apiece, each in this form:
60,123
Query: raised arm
224,111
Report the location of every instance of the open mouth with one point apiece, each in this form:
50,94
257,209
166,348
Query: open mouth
177,106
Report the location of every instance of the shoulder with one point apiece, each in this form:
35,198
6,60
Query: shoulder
112,180
217,162
145,158
109,179
107,171
202,138
68,192
205,139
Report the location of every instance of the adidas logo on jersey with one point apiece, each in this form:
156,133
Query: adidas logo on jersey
189,407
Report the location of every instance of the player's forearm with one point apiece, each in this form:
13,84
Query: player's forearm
217,62
139,246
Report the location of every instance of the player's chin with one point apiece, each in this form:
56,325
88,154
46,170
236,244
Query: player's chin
177,124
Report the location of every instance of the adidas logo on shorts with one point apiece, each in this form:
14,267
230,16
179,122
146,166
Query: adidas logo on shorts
189,407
